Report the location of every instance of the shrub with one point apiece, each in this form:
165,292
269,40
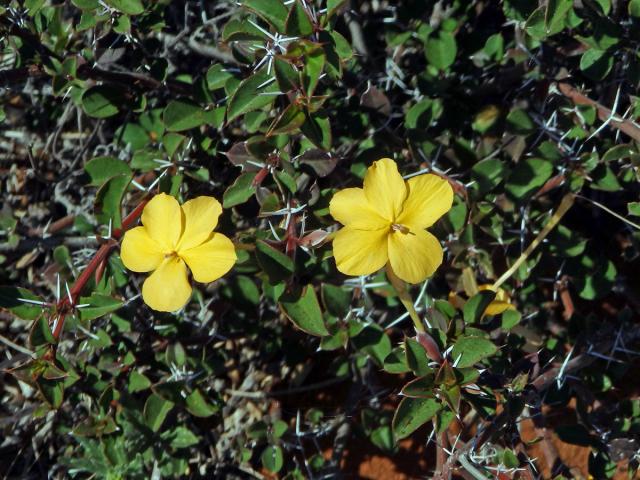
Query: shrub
312,143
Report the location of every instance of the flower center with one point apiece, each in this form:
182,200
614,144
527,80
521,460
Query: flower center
171,254
397,227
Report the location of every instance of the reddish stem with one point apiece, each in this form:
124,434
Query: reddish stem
67,303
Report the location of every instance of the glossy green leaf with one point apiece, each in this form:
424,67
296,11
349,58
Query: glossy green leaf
97,305
468,351
10,299
303,309
441,50
273,11
101,169
180,115
272,458
412,413
102,101
298,22
239,191
276,264
253,93
155,411
199,406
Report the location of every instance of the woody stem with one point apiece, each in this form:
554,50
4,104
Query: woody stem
405,297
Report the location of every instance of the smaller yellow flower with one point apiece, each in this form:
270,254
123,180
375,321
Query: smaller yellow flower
500,304
385,221
170,238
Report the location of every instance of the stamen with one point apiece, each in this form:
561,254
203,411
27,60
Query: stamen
396,227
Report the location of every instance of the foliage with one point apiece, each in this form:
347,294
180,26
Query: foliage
526,108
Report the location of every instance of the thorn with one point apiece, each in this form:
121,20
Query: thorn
66,285
33,302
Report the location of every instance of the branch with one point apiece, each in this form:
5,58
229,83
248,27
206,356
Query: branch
604,114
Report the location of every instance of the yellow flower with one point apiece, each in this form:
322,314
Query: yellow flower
171,238
385,222
498,305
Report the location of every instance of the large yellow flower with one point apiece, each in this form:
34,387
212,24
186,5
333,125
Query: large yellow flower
171,238
385,222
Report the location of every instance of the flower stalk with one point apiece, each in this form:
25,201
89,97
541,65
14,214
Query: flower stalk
405,297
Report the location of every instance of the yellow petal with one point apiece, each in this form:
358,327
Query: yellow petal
212,259
385,189
167,289
414,256
139,252
497,307
360,252
162,217
500,303
200,218
428,198
351,207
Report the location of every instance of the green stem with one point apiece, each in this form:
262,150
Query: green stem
405,297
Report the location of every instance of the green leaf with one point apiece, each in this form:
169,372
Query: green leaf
411,414
441,50
634,208
198,405
374,342
52,391
416,357
183,438
298,22
336,299
155,411
286,76
510,318
130,7
519,122
180,115
217,76
317,129
289,121
240,30
102,101
634,8
620,152
604,179
596,64
98,305
10,300
273,11
422,387
470,350
527,177
275,264
41,333
555,15
314,63
253,93
240,191
101,169
475,307
488,174
334,5
137,382
396,362
109,199
304,311
272,458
